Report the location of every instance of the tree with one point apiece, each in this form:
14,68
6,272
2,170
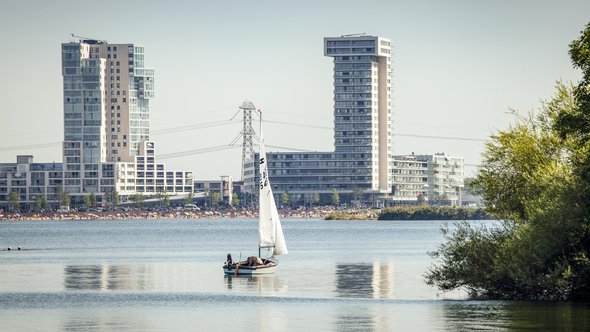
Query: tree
285,198
315,198
235,199
38,203
188,199
536,178
44,202
335,197
67,199
215,198
58,193
87,201
112,197
92,199
138,200
14,199
166,201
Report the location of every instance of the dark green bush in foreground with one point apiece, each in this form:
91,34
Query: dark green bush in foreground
535,176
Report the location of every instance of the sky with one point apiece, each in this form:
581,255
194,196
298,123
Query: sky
458,68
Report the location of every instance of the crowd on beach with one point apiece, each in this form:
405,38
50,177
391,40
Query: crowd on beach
128,214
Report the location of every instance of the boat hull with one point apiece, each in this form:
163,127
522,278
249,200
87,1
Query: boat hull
242,269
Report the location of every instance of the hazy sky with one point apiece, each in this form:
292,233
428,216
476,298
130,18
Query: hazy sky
458,66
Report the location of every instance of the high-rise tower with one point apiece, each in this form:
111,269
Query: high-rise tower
106,109
362,107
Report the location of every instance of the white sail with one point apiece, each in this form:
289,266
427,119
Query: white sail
270,232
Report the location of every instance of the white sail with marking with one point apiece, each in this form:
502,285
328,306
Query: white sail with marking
270,232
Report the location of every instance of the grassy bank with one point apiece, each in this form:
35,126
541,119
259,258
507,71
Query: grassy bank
433,213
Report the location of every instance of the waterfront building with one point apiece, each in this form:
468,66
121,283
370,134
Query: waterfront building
222,188
436,178
106,147
30,181
361,160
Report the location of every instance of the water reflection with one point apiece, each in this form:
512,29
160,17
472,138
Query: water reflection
517,315
263,284
107,277
364,280
100,322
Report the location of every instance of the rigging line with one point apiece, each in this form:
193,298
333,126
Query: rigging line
29,146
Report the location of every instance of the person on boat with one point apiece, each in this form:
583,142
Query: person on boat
253,261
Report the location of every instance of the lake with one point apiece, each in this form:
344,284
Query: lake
166,275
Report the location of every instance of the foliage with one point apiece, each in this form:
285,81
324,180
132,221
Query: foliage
44,203
335,197
188,199
138,200
235,199
285,198
166,201
112,197
14,199
92,199
215,198
67,199
315,198
38,203
58,192
352,215
433,213
87,201
536,176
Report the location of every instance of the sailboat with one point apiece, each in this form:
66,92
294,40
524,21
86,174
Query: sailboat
270,233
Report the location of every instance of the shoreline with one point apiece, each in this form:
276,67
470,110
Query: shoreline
145,214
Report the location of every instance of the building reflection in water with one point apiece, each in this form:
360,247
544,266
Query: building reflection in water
364,280
107,277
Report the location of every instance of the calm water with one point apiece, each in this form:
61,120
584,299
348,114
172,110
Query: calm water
165,275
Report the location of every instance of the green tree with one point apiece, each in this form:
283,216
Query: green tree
285,198
38,203
335,197
215,198
87,201
58,193
112,197
235,199
536,178
67,199
315,198
138,200
166,201
14,199
188,199
92,199
44,202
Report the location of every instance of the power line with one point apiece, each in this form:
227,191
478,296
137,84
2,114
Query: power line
29,146
443,137
196,151
193,127
394,134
